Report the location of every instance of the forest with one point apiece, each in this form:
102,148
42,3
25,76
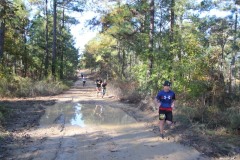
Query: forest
194,44
140,44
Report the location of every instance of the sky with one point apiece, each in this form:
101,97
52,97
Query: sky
215,12
80,32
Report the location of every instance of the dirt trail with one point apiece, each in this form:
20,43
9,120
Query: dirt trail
59,140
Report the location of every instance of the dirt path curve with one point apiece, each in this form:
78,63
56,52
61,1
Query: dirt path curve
58,139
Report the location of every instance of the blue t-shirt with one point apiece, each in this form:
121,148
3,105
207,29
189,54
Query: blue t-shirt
166,98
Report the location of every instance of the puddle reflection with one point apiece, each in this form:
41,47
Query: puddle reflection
82,115
77,120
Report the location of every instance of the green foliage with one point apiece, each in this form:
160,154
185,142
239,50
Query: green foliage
197,59
196,88
25,41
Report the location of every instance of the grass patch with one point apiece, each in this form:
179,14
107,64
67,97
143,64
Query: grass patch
16,86
3,113
209,129
212,117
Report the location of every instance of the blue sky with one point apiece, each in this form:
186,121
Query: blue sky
80,32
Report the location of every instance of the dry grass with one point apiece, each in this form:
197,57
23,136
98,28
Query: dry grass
25,87
125,91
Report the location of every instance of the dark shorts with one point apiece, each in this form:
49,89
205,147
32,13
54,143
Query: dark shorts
165,115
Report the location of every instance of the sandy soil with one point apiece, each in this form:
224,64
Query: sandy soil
59,140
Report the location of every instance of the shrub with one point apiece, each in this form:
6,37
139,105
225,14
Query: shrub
233,117
16,86
3,112
24,86
190,113
125,91
48,88
4,87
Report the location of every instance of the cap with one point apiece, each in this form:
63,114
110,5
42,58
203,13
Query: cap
167,83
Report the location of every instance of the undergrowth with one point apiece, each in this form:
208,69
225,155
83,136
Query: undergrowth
125,91
211,117
16,86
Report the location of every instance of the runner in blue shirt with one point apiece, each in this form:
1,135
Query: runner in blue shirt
165,99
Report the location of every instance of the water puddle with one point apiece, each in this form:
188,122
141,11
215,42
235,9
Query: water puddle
85,115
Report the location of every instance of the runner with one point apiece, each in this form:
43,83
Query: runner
84,81
98,85
165,99
104,84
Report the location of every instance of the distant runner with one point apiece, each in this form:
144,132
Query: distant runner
98,85
165,98
104,84
84,81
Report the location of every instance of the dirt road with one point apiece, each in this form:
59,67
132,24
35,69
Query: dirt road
82,126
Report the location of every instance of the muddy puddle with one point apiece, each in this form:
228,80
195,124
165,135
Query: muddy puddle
85,115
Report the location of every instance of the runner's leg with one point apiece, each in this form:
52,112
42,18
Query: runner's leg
97,90
161,127
169,119
162,119
103,92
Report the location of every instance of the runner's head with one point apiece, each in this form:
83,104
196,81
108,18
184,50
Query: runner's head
166,86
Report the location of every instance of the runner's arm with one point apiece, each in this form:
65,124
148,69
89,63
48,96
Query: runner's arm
173,101
173,105
157,102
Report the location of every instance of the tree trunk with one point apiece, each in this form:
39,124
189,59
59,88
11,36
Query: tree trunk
26,56
54,39
130,63
172,21
2,29
119,57
232,85
150,45
123,64
62,47
46,64
180,53
2,35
